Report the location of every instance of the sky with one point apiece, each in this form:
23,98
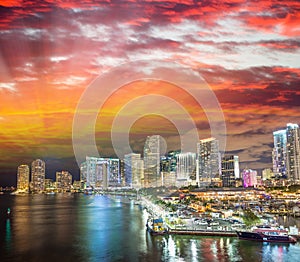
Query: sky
53,53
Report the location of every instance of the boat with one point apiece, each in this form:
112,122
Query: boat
266,234
155,226
8,212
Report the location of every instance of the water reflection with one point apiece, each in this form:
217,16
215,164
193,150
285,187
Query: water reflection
8,234
102,228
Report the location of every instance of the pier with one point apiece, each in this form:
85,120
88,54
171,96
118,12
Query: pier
215,233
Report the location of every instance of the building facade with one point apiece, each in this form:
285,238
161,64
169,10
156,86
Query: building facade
208,159
186,167
63,181
38,175
134,170
152,176
286,153
279,154
230,170
249,178
293,152
23,178
100,172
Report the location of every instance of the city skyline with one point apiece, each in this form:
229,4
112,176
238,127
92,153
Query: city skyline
192,169
247,52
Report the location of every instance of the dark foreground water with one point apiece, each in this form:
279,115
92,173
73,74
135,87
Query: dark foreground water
103,228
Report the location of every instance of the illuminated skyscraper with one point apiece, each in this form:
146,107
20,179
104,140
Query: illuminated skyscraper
83,172
134,170
23,178
63,181
114,171
186,167
293,151
230,170
102,172
38,175
279,154
152,161
208,157
286,152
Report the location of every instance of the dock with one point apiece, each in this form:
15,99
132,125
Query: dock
215,233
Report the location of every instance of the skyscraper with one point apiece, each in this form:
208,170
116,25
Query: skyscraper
38,175
279,154
286,153
134,170
23,178
63,181
98,172
208,157
114,172
152,177
186,167
293,152
230,170
83,172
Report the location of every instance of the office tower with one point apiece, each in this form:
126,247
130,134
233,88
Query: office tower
186,167
168,163
152,161
114,172
101,172
293,152
63,181
83,172
249,178
23,178
134,170
230,170
208,160
38,175
279,154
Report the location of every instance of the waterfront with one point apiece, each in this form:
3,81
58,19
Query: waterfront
75,227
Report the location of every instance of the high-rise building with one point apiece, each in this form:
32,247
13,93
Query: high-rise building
286,153
134,170
83,172
100,172
152,176
63,181
114,171
293,152
249,178
208,160
186,167
230,170
279,154
168,163
23,178
38,175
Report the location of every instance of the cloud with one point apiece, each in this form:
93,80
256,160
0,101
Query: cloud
247,51
8,86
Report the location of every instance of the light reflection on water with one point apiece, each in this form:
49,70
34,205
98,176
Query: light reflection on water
106,228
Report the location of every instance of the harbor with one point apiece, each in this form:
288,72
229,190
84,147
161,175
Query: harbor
214,224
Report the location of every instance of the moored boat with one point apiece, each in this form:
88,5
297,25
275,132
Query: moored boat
155,226
267,234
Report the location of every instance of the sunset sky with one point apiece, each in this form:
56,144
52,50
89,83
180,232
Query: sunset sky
247,52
